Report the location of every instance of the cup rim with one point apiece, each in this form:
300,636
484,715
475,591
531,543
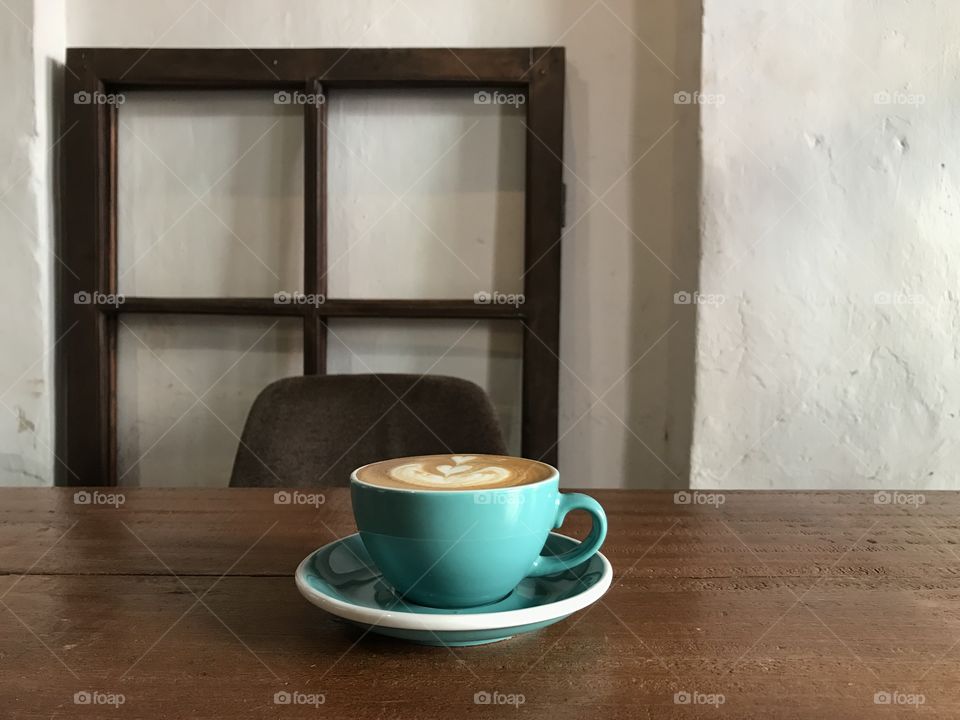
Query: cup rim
553,476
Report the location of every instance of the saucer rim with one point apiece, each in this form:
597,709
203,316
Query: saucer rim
454,622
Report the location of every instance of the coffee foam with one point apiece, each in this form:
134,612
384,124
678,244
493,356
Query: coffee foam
454,472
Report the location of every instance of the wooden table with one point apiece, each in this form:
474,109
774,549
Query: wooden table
787,605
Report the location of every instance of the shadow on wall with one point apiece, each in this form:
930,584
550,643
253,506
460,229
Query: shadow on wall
664,192
56,71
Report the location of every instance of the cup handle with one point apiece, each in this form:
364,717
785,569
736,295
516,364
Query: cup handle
547,564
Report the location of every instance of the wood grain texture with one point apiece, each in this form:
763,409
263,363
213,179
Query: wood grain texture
332,307
542,241
287,67
790,605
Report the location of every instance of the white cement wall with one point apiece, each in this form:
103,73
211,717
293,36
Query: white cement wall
32,41
830,230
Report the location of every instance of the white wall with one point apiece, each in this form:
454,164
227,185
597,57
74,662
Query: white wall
32,38
830,231
632,159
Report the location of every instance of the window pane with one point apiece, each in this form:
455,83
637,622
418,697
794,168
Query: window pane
209,194
426,193
487,352
166,436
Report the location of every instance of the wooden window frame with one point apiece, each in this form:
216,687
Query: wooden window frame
86,353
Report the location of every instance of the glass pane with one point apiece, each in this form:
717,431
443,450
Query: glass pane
166,436
488,353
209,194
426,193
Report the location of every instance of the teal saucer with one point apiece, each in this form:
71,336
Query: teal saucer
343,580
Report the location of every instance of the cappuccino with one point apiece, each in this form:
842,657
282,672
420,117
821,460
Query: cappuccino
454,472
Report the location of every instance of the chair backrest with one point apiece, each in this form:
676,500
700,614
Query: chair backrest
310,431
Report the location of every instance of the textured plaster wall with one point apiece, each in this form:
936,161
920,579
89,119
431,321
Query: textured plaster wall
32,38
631,155
829,358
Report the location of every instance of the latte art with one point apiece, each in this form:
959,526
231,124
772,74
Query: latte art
464,472
454,472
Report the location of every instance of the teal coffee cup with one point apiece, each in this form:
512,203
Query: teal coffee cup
456,531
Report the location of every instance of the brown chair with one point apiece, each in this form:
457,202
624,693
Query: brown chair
310,431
